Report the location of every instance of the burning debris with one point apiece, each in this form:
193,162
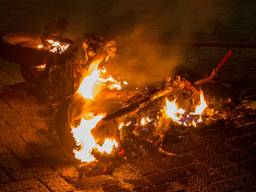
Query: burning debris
89,88
177,102
54,46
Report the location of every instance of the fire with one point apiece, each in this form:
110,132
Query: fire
112,83
173,112
201,107
182,117
95,79
88,86
57,47
40,46
86,142
88,89
144,121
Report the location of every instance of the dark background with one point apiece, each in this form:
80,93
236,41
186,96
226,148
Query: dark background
133,23
167,17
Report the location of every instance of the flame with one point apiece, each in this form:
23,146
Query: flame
172,111
40,46
107,146
88,86
57,47
201,107
144,121
91,84
121,125
88,89
86,142
182,117
113,84
125,82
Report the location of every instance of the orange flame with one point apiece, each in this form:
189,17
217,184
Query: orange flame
180,116
88,86
201,107
58,47
88,89
173,112
86,142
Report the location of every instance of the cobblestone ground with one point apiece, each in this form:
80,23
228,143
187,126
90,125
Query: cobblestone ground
216,158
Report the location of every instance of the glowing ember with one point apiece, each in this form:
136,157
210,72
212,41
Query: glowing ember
40,67
121,125
86,142
125,82
40,46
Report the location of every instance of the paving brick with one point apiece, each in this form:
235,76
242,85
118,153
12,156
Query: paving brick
23,174
160,188
204,172
234,183
4,177
243,140
5,188
166,176
67,170
30,185
196,183
236,169
26,105
241,154
31,171
209,157
15,143
184,145
173,162
114,188
96,189
23,128
3,149
9,162
101,179
56,183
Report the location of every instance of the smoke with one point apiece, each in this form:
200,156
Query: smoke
135,24
138,26
140,62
